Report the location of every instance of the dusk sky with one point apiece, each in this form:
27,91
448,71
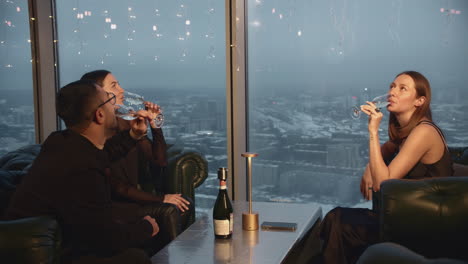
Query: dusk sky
326,47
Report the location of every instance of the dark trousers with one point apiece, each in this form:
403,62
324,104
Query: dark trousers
346,233
170,219
171,223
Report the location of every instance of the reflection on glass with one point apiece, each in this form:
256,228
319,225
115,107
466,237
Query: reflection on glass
311,150
139,42
16,87
380,102
131,105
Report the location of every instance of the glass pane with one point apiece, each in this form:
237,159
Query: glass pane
16,80
171,52
310,62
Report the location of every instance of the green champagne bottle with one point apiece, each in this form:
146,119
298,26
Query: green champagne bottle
223,218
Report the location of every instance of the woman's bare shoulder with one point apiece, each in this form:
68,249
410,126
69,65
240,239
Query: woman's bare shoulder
425,129
424,133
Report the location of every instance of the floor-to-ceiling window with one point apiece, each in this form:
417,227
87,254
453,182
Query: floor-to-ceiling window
310,62
16,80
171,52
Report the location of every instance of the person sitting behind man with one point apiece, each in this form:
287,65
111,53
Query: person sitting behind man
171,210
69,179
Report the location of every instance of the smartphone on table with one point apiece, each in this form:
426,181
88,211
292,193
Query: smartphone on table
278,226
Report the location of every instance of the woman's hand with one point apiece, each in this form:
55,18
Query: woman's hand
177,200
366,184
375,116
139,125
153,111
153,223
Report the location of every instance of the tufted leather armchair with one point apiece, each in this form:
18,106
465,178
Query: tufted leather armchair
422,219
428,216
38,239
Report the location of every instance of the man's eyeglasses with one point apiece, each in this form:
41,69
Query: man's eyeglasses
112,100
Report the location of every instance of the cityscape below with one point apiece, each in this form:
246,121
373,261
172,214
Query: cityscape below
310,149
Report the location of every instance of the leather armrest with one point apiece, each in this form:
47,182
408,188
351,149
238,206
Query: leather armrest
185,172
428,216
30,240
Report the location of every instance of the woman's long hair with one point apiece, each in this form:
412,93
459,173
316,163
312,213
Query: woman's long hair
423,88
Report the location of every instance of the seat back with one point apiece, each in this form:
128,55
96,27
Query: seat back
428,216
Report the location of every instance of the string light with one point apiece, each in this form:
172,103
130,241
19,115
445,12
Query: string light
77,38
340,24
210,34
182,14
131,34
108,27
395,22
156,31
6,44
450,14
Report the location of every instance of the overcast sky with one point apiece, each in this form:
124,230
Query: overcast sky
326,46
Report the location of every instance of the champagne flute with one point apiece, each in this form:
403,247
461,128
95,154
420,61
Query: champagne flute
380,102
131,104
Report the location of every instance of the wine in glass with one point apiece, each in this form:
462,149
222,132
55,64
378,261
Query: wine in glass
380,102
132,103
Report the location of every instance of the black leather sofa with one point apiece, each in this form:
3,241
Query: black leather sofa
423,221
38,239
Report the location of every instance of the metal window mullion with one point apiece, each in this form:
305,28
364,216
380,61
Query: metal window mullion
43,67
236,96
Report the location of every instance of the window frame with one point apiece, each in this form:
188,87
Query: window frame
44,66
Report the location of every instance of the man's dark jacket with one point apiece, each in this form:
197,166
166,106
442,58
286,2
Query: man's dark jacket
69,179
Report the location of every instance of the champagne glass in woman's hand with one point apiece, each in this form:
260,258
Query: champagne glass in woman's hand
380,102
132,103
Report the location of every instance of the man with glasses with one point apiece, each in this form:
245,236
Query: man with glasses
70,179
146,163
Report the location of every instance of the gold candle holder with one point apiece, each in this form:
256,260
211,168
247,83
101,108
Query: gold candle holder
249,219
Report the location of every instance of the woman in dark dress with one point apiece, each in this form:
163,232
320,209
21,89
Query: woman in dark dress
416,150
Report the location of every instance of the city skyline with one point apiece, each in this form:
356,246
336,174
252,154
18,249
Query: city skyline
313,152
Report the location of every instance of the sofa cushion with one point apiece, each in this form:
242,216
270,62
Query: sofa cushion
19,162
19,159
460,169
459,155
30,240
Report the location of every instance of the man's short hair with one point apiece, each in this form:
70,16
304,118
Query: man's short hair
97,76
75,102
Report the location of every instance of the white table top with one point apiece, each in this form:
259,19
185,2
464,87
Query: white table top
198,244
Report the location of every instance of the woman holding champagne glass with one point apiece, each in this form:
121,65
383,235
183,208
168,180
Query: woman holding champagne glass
416,150
171,211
